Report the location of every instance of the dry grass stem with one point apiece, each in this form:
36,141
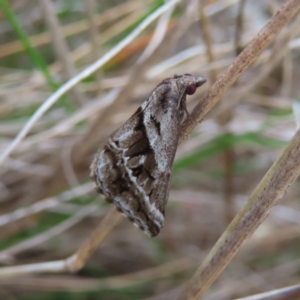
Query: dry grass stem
88,111
9,253
204,25
239,28
240,64
287,74
64,283
60,46
158,36
287,293
46,204
91,9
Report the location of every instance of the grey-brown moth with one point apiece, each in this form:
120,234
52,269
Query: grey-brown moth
133,170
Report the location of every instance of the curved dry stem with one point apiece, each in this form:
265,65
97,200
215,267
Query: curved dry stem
107,224
77,260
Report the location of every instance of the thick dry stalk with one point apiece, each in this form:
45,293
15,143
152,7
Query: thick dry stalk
272,187
240,64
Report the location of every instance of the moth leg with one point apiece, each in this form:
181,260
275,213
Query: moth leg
186,111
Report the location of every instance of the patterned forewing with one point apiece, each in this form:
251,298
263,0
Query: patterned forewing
132,175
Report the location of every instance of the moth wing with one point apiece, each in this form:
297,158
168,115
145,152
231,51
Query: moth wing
134,168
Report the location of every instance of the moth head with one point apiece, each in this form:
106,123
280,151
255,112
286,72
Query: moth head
188,83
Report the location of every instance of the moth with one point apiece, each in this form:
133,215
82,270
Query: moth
133,170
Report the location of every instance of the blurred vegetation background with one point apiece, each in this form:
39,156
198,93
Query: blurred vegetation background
48,203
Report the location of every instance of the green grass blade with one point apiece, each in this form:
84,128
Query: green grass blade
223,142
33,53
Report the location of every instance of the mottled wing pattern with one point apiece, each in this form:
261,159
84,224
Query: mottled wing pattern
134,168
